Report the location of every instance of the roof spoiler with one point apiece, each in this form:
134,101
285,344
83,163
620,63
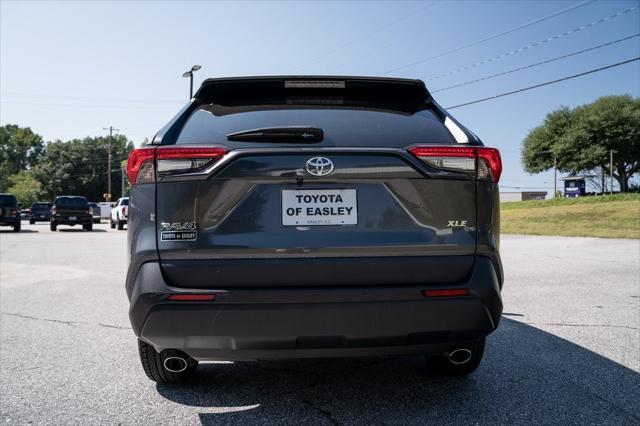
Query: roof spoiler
329,90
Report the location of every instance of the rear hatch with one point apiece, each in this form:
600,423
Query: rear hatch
41,209
316,187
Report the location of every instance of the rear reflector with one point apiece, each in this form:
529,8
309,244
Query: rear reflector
484,162
446,292
193,297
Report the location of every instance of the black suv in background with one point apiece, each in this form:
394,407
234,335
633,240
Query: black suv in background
9,213
71,210
40,212
299,217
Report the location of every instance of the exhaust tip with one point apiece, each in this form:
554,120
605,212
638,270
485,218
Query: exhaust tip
460,356
175,364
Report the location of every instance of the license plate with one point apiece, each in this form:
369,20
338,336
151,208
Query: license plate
319,207
73,218
41,216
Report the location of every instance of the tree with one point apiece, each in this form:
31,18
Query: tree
25,187
79,166
582,138
20,149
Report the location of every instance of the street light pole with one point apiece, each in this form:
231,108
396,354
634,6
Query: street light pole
189,74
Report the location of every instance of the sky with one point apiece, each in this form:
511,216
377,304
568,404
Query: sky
70,69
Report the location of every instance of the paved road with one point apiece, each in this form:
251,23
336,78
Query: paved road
567,350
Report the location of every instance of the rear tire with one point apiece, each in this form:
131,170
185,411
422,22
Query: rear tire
153,365
88,227
111,224
53,227
120,225
442,365
17,226
31,222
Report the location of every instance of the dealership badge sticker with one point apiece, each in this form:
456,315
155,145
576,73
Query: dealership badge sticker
178,231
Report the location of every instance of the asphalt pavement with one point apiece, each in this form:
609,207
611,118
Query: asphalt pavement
567,349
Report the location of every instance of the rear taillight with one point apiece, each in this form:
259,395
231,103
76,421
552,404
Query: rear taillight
140,166
122,211
484,162
172,159
53,210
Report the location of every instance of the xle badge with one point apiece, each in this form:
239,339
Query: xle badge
178,231
456,223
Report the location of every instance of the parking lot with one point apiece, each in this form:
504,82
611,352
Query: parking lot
567,350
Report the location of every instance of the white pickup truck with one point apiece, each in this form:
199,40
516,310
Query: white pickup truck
120,213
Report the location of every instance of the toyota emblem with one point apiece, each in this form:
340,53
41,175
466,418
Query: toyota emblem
319,166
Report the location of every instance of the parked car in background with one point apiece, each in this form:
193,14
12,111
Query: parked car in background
71,210
24,214
120,213
95,212
40,212
9,214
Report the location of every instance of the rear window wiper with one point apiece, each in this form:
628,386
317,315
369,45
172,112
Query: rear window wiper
279,134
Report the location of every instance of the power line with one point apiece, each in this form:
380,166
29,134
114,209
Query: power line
86,98
545,83
535,44
88,105
377,30
494,36
536,64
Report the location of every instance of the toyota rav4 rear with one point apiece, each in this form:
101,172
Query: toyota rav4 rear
293,217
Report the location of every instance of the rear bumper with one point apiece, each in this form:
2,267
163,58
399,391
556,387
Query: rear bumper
262,323
9,221
80,220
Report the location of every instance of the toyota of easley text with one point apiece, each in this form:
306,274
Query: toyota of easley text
307,217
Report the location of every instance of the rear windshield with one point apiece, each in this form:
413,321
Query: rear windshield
342,126
72,202
124,202
8,200
41,206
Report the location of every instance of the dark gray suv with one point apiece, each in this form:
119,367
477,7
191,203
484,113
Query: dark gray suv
295,217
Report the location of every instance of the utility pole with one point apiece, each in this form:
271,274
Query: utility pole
611,151
111,130
555,175
122,181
